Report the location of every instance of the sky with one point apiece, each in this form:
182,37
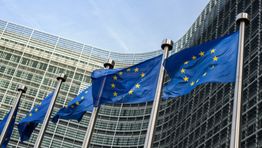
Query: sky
125,26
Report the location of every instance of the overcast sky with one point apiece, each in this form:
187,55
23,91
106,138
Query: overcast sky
126,26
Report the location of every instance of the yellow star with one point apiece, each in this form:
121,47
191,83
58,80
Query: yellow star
120,73
215,58
72,106
36,109
186,78
136,69
113,85
186,62
202,53
194,57
183,70
77,103
142,75
192,83
128,69
30,114
130,92
115,94
115,77
137,85
212,51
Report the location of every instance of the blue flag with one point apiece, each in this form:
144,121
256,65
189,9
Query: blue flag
77,107
28,124
213,61
9,129
135,84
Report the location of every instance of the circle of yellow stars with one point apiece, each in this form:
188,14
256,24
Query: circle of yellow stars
115,78
77,103
201,54
34,110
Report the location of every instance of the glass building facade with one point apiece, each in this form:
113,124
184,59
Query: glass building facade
201,119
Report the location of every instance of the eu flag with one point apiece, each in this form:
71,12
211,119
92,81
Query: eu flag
77,107
28,124
213,61
9,129
134,84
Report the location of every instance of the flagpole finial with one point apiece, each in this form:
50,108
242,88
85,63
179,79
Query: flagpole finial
110,63
167,43
242,17
62,77
22,88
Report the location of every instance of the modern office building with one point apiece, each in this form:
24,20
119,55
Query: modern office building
201,119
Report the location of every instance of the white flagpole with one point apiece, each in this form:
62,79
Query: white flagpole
167,45
21,89
109,65
241,19
60,79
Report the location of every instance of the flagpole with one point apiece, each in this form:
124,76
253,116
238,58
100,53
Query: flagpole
21,89
61,78
241,19
167,45
109,65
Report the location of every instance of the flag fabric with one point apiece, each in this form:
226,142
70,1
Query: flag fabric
213,61
77,107
9,129
28,124
135,84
